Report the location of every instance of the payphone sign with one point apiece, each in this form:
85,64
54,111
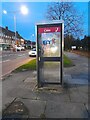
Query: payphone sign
49,29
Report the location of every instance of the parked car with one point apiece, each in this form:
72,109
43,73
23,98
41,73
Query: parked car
32,52
22,48
19,48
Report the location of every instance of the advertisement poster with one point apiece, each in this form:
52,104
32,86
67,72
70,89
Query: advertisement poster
49,41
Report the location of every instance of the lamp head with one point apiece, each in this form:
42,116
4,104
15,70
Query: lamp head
24,10
4,11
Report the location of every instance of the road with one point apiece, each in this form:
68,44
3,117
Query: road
10,60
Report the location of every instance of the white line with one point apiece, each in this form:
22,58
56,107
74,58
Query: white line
6,55
21,55
4,61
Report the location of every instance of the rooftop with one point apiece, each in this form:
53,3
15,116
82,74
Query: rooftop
8,32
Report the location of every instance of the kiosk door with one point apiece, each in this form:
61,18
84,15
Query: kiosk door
49,53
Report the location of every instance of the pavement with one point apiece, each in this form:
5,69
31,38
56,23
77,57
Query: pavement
21,98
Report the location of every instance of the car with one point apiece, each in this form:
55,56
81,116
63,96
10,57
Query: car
32,52
22,48
19,48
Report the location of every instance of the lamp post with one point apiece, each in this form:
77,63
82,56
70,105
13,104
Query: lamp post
31,40
15,27
23,10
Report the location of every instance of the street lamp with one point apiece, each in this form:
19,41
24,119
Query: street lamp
4,11
31,40
23,10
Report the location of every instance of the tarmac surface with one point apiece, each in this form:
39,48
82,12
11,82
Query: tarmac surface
22,99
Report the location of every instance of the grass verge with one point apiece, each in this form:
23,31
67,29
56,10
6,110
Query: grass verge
67,62
31,65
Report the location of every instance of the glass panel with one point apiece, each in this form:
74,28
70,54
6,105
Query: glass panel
49,39
41,72
51,72
49,42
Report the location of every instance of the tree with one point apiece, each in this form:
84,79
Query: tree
78,43
73,20
85,43
69,41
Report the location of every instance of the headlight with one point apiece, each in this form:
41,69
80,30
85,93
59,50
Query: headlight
30,52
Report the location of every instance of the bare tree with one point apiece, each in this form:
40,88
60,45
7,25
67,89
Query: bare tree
73,20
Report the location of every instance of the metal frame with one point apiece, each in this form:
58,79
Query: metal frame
52,59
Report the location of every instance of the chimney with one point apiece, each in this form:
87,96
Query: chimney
6,28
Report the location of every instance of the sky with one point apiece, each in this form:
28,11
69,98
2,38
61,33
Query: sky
25,24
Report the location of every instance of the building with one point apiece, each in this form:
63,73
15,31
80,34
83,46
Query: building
27,44
30,44
33,44
7,38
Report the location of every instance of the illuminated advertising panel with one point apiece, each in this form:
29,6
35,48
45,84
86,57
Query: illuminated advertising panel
49,39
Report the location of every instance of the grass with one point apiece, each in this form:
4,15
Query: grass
67,62
31,65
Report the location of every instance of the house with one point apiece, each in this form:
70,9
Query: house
30,44
7,38
27,44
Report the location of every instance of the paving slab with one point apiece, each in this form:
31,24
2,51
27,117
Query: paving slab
83,88
78,81
22,93
77,96
80,75
17,110
66,78
75,80
36,107
30,82
53,97
7,101
19,75
65,110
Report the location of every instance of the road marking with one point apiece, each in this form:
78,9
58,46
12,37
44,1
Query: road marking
4,61
1,56
21,55
8,55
